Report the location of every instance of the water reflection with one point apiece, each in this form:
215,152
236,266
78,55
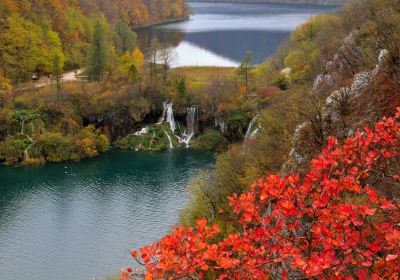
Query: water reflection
219,34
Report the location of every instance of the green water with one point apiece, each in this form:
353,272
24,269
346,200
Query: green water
80,220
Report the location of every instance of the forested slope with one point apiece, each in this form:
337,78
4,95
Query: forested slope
33,33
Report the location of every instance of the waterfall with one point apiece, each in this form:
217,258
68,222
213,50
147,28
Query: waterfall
144,130
171,146
168,116
219,122
23,126
26,153
253,129
192,119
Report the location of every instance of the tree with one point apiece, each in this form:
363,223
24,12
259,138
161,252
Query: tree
98,53
181,88
153,55
25,53
131,64
58,60
244,69
5,91
125,38
138,59
167,57
328,224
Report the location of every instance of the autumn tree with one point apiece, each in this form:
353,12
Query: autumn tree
131,64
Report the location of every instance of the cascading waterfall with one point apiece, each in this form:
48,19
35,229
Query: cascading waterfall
171,146
168,115
192,120
26,153
253,128
219,122
144,130
23,126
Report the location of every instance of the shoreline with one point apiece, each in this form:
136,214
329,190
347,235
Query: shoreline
163,22
266,2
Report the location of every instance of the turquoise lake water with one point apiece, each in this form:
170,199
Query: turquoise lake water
79,220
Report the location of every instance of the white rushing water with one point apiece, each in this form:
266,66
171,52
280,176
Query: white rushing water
253,128
171,146
192,120
219,122
144,130
168,115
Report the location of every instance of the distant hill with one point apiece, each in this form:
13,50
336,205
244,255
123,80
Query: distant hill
319,2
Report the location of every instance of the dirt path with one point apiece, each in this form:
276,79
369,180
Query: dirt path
67,77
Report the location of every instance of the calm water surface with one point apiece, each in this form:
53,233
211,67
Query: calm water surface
80,220
219,34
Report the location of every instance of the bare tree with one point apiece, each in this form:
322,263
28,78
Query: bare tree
167,58
153,56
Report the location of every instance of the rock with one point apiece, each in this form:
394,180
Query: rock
286,71
296,156
383,58
329,67
322,83
138,273
361,81
331,110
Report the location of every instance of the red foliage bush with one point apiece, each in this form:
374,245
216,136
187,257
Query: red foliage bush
330,224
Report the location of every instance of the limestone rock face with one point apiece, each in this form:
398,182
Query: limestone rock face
341,102
333,104
301,140
345,61
361,81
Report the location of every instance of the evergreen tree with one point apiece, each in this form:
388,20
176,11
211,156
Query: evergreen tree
125,38
98,53
244,69
181,88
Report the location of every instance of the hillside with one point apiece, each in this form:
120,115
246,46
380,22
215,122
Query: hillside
65,27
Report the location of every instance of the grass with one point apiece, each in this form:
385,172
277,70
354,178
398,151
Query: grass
202,74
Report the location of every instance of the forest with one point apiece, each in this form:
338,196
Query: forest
55,35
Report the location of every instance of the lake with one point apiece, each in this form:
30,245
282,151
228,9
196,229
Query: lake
80,220
219,34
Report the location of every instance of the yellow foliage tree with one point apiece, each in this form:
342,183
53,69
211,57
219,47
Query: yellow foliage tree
131,64
138,59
